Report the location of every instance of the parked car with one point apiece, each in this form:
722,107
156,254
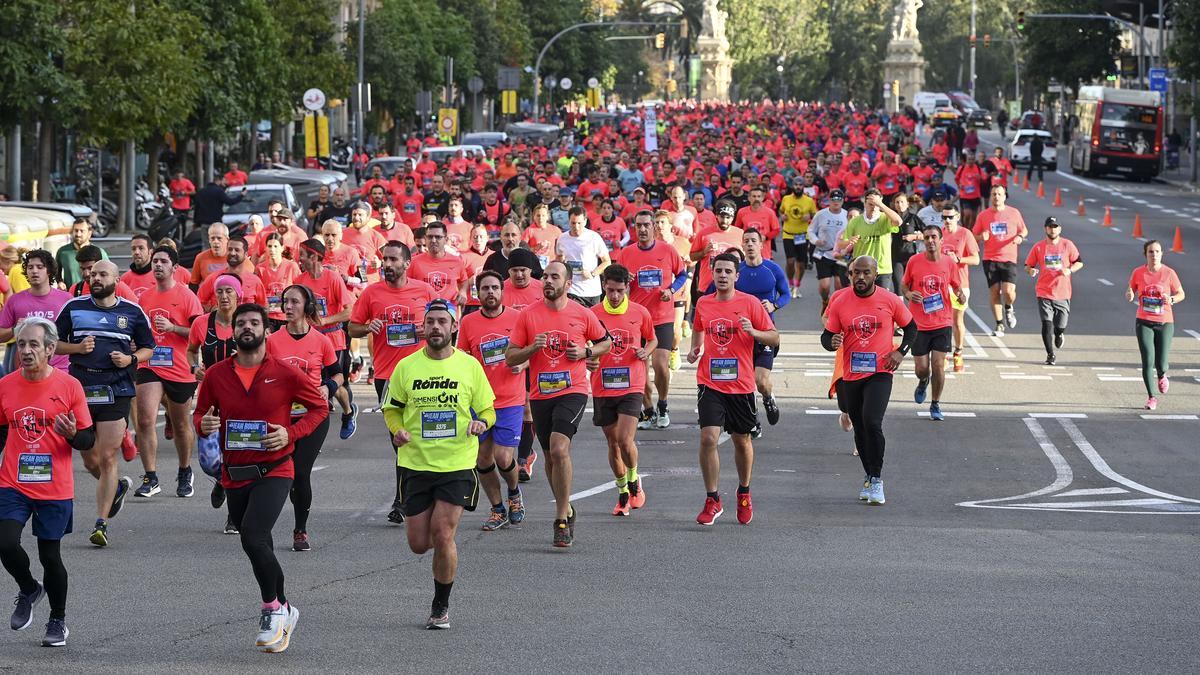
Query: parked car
69,208
1018,149
255,202
390,165
486,139
533,132
306,183
442,154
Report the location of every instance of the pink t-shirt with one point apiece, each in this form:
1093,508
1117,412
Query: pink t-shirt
25,304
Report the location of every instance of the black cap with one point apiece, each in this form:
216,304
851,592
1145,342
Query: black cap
523,257
1052,221
837,193
938,195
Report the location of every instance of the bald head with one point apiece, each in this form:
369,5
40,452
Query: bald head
863,271
105,266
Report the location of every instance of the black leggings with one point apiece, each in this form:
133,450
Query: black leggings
54,573
1052,329
866,402
254,509
1154,344
304,456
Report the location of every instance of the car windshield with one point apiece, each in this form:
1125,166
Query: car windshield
1141,116
255,201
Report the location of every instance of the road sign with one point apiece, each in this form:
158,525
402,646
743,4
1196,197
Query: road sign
475,84
314,99
424,105
1158,79
650,130
508,79
448,121
565,83
593,83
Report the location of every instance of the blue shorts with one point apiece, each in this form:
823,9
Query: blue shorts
507,429
52,518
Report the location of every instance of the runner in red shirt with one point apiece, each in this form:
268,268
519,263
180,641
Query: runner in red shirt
139,277
342,258
1053,261
959,244
44,419
276,273
334,302
285,226
618,381
447,273
211,260
724,330
862,323
710,243
297,344
1001,230
612,229
928,280
1155,288
855,183
759,217
475,252
541,234
182,191
969,179
485,335
366,240
235,176
520,289
553,338
238,263
393,230
171,307
410,202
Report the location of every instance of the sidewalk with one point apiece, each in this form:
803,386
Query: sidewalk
1181,176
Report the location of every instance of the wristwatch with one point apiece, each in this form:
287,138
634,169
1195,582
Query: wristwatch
587,352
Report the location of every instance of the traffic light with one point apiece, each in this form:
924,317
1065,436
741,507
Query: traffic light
987,40
1021,20
660,40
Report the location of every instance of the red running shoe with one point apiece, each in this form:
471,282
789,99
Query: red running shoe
745,508
712,510
128,448
637,494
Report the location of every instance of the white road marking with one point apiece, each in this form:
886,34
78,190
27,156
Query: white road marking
1119,378
785,470
1006,376
1192,333
1103,368
603,487
1115,229
1055,506
1088,492
1006,365
822,412
976,348
987,331
1062,470
1170,417
1093,220
1106,282
818,373
319,467
1097,461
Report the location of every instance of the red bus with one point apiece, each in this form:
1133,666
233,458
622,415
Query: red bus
1117,131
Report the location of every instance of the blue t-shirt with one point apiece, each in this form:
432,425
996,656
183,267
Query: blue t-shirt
123,328
765,281
630,180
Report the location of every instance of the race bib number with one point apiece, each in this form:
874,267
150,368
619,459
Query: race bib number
544,260
1053,262
650,278
163,357
863,362
245,434
614,378
999,229
576,266
274,303
798,240
100,394
933,303
439,424
552,383
34,468
401,334
1152,305
492,351
322,306
723,370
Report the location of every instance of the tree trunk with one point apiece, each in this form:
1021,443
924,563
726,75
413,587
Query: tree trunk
45,158
253,146
199,161
278,126
154,148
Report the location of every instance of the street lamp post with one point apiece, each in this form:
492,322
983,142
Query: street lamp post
779,69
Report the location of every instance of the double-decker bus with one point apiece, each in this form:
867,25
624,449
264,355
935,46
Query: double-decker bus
1117,131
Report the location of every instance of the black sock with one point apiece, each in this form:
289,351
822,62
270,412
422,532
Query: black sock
648,413
662,407
152,475
715,495
633,487
935,402
525,448
743,489
441,593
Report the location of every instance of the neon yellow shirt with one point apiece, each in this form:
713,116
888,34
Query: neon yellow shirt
797,213
435,400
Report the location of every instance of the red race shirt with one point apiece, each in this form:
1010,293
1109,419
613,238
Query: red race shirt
400,232
541,241
180,306
551,373
409,208
344,259
621,372
933,280
140,282
969,179
311,353
962,243
443,274
274,281
866,325
199,331
727,364
486,339
458,235
723,240
520,298
36,461
252,288
611,231
401,310
1005,226
1050,260
182,190
764,220
291,242
1151,291
651,270
206,263
855,185
332,297
368,241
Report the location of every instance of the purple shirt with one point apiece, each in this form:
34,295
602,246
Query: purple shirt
25,304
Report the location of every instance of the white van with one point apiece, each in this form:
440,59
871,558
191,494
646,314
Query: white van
927,102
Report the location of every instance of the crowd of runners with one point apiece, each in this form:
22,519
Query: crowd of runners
487,299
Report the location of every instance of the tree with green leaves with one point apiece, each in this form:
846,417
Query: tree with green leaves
1069,50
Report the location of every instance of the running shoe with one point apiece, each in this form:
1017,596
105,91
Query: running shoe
919,392
685,330
622,508
168,429
876,496
637,494
935,412
289,627
186,483
356,368
1050,360
149,487
439,618
1163,384
527,471
772,409
128,448
571,520
516,509
1151,403
865,493
673,360
562,534
22,616
396,516
711,511
349,422
648,420
271,626
795,292
745,508
230,528
959,366
756,433
56,633
123,487
662,419
300,542
99,536
1010,316
999,332
497,518
217,496
1059,340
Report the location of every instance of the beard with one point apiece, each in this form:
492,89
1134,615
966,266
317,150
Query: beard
437,342
390,274
102,292
250,341
551,293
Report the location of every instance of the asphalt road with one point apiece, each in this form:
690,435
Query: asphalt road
1049,524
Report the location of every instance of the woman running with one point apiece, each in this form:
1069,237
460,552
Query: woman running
277,271
1155,288
313,353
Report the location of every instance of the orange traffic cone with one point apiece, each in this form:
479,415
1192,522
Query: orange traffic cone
1025,185
1177,247
1108,216
1081,211
1057,197
1137,226
1041,190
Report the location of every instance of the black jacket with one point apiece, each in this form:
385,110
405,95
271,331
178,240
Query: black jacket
210,202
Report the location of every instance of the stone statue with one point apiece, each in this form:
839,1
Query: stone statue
714,20
904,21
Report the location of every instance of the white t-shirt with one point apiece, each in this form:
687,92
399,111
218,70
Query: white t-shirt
826,227
930,216
583,253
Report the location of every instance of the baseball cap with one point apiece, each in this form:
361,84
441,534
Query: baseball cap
726,209
1051,221
837,193
938,195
